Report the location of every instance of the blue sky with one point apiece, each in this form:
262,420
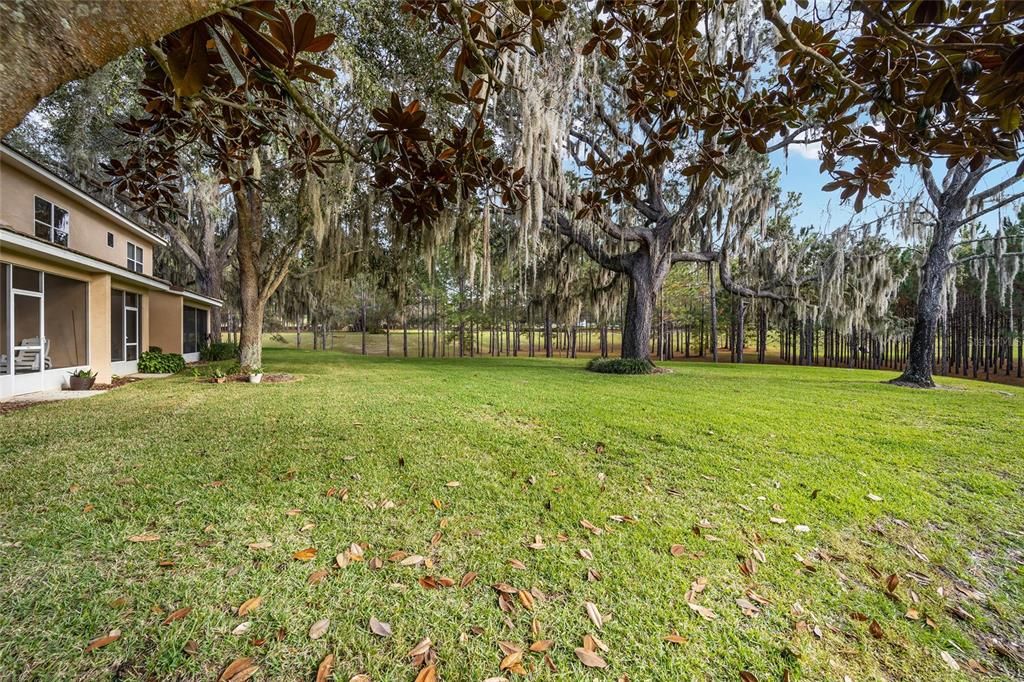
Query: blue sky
824,211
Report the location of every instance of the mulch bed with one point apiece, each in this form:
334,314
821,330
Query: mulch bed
9,406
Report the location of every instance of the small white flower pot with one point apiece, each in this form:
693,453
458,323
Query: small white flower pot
255,378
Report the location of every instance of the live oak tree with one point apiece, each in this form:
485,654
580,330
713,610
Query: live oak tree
889,84
638,135
46,43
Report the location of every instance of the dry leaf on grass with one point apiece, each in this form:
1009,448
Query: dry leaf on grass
705,612
323,671
239,670
103,641
261,545
513,661
177,615
307,554
250,605
242,628
594,614
748,608
317,576
319,628
590,659
676,638
467,578
950,661
145,537
379,628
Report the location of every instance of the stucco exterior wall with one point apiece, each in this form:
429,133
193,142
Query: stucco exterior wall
88,228
165,321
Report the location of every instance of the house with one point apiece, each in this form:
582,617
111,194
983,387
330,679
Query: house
77,288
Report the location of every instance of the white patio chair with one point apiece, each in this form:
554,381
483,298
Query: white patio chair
27,360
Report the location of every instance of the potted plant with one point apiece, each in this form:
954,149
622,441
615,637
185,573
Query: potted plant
255,374
218,376
82,380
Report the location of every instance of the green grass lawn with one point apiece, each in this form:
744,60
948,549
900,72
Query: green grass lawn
703,458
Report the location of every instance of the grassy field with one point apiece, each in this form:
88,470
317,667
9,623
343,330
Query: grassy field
798,490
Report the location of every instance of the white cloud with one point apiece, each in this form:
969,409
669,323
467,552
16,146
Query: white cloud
808,151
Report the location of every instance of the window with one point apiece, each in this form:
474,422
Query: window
52,222
110,239
134,257
195,329
125,330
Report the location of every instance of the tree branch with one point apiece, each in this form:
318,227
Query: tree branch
597,253
993,207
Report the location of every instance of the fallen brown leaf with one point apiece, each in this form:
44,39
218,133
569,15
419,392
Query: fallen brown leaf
319,628
307,554
239,670
379,628
323,671
103,641
590,659
177,615
250,605
676,638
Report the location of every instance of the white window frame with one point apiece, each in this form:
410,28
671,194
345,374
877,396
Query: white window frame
53,227
136,263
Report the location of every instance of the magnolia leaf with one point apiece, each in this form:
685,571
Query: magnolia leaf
250,605
319,628
323,671
239,670
590,659
307,554
177,615
103,641
379,628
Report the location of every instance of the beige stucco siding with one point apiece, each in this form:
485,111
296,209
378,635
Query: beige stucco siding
165,321
88,227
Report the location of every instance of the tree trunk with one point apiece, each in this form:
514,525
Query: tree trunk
248,205
645,279
918,371
91,33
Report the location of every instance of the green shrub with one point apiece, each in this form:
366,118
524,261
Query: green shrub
220,350
155,362
620,366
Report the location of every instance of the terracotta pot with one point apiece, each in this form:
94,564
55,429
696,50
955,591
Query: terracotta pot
80,383
219,380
